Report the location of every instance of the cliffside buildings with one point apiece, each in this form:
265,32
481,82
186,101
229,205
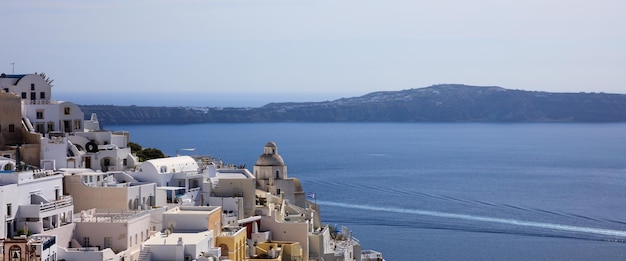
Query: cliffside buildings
71,191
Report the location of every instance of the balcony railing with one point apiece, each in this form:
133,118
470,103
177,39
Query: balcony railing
65,201
40,102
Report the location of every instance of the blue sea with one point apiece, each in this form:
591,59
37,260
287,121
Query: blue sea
443,191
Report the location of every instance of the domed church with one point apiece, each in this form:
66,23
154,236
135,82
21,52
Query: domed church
271,176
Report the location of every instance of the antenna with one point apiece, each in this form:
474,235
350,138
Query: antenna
13,69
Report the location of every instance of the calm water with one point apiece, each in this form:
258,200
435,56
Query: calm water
444,191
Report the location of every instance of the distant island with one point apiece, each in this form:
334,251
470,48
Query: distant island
437,103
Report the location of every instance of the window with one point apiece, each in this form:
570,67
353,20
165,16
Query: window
23,95
77,124
50,126
40,127
125,162
66,110
42,95
86,242
33,96
9,213
39,114
11,127
108,242
32,86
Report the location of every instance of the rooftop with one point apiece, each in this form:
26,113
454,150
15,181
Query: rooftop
194,210
231,231
233,174
16,76
177,238
108,215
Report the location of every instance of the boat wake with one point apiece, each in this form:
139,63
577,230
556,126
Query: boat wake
615,235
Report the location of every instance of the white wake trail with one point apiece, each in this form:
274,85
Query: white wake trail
560,227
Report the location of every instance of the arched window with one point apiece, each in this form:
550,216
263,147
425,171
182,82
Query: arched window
8,166
277,172
16,253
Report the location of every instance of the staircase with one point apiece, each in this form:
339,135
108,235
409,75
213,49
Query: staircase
145,254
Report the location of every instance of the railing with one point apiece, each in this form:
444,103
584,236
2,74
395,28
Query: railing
109,216
371,255
56,140
46,241
110,219
40,102
43,173
66,201
84,249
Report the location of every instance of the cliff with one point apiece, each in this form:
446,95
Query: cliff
438,103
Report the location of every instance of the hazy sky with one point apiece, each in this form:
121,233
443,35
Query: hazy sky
230,52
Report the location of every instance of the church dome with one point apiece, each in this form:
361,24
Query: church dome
270,156
270,160
298,185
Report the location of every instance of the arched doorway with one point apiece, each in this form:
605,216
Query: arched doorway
224,250
106,163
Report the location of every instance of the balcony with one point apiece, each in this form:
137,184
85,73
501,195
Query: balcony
40,207
65,201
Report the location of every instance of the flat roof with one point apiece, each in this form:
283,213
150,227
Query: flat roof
233,174
170,188
172,239
196,210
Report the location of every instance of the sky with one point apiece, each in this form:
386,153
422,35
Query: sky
249,53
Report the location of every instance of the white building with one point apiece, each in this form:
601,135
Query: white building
107,190
178,179
190,233
45,115
33,201
120,230
33,88
231,188
180,247
66,140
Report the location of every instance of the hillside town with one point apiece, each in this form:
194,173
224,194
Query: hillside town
70,190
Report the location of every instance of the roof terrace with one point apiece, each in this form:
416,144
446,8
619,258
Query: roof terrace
108,215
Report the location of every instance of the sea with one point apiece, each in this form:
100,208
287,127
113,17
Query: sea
442,191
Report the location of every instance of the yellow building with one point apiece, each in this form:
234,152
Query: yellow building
232,241
277,250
